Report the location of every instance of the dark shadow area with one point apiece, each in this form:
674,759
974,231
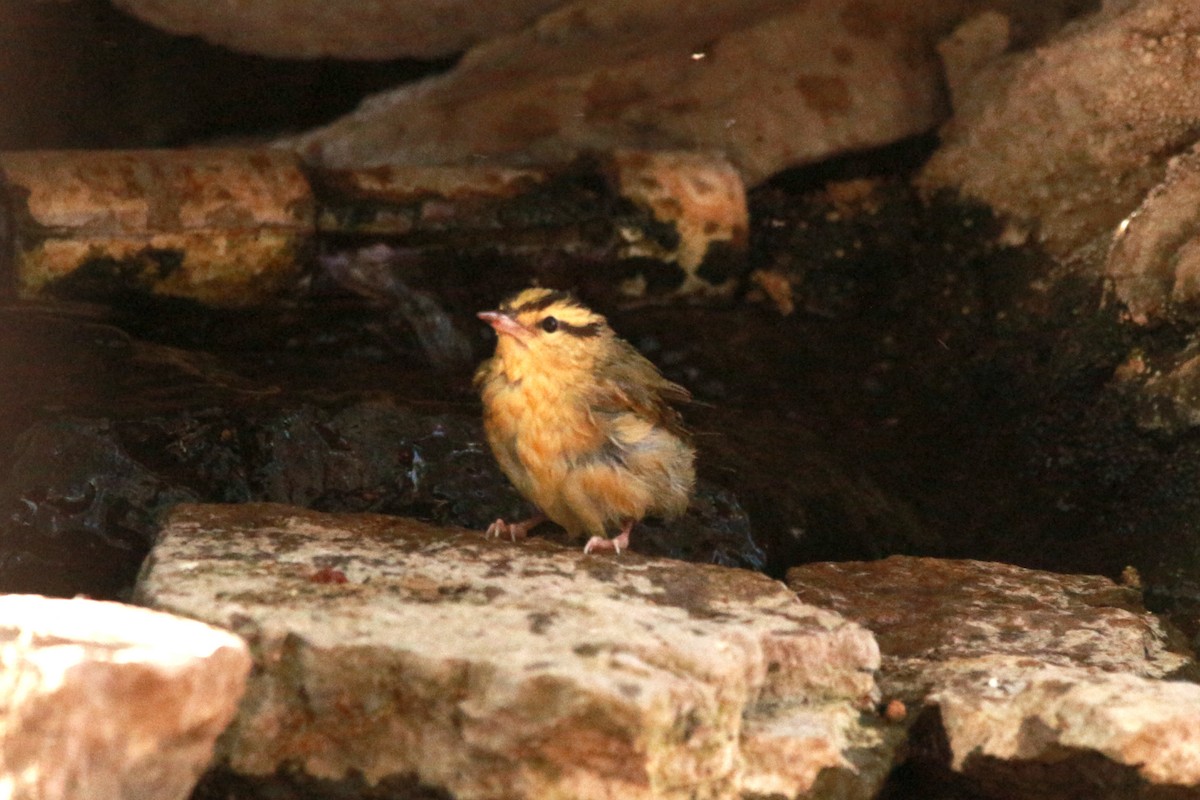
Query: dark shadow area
81,74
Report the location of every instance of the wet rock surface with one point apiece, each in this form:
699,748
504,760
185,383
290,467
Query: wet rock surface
107,430
85,493
389,649
106,700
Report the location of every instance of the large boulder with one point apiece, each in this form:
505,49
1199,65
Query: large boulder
391,651
1067,139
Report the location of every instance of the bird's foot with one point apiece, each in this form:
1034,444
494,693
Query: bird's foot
598,544
515,530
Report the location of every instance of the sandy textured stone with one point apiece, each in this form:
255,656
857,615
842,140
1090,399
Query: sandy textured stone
101,700
770,84
970,48
818,752
392,649
340,28
1001,708
1069,137
929,613
1038,683
1153,267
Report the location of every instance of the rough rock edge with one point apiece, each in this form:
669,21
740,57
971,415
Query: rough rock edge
804,688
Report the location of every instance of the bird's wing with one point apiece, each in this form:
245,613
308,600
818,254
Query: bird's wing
628,383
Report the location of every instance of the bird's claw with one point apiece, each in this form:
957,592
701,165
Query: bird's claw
599,543
616,544
514,530
500,528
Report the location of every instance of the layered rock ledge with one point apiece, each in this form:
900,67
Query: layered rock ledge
1027,683
388,650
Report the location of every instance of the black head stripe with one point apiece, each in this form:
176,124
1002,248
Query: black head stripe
553,298
547,300
582,331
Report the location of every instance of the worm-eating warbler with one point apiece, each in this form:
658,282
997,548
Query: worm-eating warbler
580,421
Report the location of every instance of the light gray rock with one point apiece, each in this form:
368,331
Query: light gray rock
1066,139
1001,710
103,701
390,649
1040,683
927,613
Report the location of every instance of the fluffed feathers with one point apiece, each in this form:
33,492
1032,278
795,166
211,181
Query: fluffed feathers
581,422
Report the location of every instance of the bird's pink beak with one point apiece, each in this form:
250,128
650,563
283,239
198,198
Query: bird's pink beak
505,325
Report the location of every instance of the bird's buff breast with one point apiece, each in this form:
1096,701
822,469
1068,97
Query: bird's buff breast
540,430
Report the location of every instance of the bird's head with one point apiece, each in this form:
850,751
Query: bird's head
549,328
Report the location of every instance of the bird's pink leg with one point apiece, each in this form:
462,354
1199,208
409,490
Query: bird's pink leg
618,543
516,530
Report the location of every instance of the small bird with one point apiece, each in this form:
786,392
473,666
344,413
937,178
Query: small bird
581,422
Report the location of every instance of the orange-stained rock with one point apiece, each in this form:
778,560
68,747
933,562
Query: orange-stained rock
226,227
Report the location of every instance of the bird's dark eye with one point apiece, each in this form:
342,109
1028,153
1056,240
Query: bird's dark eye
549,324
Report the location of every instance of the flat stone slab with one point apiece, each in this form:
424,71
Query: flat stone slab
929,612
1037,685
1035,731
387,649
104,701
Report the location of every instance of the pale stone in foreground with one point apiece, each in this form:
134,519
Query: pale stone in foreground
389,648
101,700
1043,683
1002,707
930,613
